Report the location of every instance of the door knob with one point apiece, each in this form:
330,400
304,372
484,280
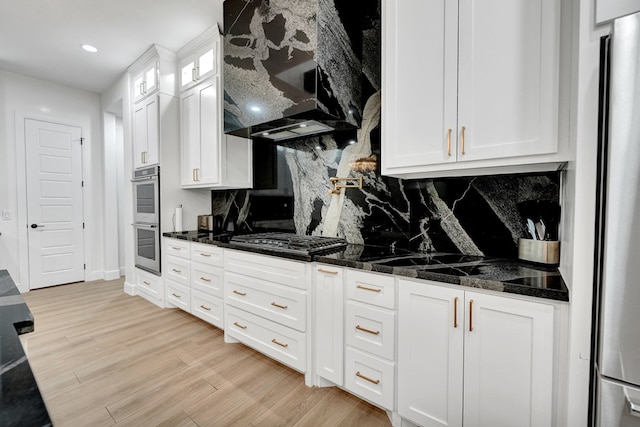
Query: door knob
36,225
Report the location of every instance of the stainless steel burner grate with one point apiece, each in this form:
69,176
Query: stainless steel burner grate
287,242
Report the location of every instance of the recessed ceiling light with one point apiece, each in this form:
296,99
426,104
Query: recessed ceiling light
89,48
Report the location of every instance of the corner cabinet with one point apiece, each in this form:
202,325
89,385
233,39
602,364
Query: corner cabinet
482,94
504,346
210,159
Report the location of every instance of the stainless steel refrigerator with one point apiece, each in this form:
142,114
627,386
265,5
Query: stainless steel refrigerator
615,385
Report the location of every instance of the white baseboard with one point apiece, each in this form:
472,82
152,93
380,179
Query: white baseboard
129,288
112,275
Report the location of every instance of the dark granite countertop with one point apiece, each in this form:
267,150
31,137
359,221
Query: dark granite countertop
496,274
20,401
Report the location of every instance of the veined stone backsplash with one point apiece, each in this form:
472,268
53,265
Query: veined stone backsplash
468,215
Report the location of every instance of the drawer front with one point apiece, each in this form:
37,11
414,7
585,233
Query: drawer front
208,308
208,279
370,329
265,267
279,342
281,304
177,248
370,377
371,288
178,295
149,285
177,269
207,254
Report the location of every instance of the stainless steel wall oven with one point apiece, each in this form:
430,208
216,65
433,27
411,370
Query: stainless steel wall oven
146,218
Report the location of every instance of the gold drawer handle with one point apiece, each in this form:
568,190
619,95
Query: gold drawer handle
175,248
176,270
239,325
146,283
279,343
463,129
205,279
284,307
201,254
176,295
358,374
455,312
360,328
368,289
449,143
322,270
205,307
239,293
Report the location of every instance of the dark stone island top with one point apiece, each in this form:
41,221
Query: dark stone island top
496,274
20,401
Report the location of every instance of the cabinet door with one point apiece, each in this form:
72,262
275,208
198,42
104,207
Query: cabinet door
508,363
210,131
329,315
151,74
190,136
508,78
430,354
420,87
145,133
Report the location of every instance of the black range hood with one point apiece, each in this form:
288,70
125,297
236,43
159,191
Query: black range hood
292,68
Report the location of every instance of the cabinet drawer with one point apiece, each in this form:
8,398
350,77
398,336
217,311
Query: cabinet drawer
177,269
371,288
149,285
266,267
279,342
208,279
370,329
279,303
178,248
178,295
369,377
207,307
206,254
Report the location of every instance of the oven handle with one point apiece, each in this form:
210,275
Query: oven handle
145,178
151,226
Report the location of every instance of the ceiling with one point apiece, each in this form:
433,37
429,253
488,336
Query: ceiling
42,38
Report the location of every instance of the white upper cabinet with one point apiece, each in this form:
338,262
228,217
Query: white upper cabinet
210,159
145,133
607,10
474,89
145,81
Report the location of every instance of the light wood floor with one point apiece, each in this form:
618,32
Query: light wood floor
103,358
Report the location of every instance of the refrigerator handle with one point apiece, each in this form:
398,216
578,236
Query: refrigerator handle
634,407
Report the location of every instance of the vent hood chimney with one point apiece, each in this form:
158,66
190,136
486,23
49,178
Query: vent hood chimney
292,68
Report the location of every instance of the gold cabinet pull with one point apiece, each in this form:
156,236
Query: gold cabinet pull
193,175
175,248
449,143
146,283
455,312
197,174
360,328
194,74
322,270
205,279
471,316
364,377
176,270
205,307
368,289
176,295
462,139
207,255
284,307
239,293
239,325
275,341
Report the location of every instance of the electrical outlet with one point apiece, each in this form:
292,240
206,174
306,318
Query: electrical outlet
6,214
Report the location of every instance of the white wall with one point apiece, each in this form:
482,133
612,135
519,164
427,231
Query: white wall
22,96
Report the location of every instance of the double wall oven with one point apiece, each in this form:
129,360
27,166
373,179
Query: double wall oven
146,218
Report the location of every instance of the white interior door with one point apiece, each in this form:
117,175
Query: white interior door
54,203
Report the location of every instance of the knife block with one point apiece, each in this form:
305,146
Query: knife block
540,251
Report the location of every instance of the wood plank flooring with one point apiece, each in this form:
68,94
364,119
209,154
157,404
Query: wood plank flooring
104,358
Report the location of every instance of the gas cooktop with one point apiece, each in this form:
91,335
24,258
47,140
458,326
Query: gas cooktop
291,243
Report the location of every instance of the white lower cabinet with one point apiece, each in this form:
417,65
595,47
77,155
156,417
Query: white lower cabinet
266,306
149,286
329,323
481,358
178,295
